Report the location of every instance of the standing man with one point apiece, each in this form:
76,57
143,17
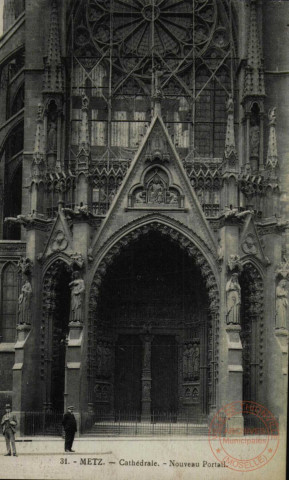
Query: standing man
69,425
8,424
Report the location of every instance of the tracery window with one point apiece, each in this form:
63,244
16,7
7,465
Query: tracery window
9,302
125,51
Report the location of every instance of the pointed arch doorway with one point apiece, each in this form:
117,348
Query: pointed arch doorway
151,333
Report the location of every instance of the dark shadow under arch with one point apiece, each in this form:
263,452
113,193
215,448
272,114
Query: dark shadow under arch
151,285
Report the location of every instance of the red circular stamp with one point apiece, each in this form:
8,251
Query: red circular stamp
244,435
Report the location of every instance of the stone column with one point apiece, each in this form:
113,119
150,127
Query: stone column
146,378
73,369
230,382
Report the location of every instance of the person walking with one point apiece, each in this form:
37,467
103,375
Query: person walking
70,428
8,424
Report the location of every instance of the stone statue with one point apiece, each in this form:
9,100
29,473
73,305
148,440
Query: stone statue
272,116
99,350
51,137
77,290
281,304
24,302
186,353
233,295
156,191
254,140
196,361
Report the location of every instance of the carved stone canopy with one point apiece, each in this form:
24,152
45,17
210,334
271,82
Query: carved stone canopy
234,264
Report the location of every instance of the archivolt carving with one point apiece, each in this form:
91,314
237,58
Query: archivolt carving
209,277
173,235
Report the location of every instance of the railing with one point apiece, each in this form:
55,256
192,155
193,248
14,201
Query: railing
132,423
119,423
43,423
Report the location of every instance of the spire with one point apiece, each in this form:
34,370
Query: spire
38,154
254,79
272,155
84,142
8,14
53,76
230,153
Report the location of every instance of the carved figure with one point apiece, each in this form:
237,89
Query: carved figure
186,354
272,116
140,197
281,304
220,251
99,359
106,359
77,290
230,104
254,140
156,191
196,361
51,137
233,294
24,302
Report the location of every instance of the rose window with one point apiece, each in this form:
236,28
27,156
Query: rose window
137,30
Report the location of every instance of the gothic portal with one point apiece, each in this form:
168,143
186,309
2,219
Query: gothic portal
144,215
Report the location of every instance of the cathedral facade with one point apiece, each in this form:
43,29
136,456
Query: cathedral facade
144,218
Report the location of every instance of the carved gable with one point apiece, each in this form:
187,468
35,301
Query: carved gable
156,182
60,238
249,241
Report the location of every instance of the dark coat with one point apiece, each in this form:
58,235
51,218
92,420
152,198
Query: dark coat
69,422
9,421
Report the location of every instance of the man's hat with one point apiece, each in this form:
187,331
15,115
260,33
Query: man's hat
70,408
7,405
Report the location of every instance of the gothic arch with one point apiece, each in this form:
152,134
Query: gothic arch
184,240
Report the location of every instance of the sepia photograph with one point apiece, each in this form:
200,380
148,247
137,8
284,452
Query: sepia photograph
144,239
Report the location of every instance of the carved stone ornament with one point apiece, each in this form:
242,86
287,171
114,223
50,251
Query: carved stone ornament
24,303
77,293
234,264
233,300
59,242
281,304
282,270
249,245
25,265
191,361
77,260
156,191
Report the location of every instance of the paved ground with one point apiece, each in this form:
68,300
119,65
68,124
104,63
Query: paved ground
116,458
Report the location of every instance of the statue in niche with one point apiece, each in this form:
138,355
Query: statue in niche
233,295
106,359
196,361
281,304
77,290
254,139
156,191
185,361
52,137
99,359
24,302
188,362
172,198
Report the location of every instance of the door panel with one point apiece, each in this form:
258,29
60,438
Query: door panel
164,374
128,368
